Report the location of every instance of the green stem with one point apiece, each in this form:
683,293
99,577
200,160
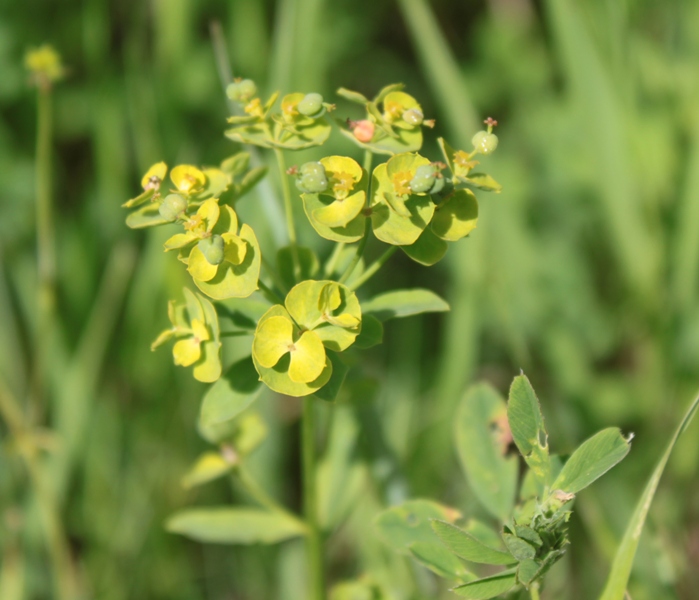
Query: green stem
257,492
235,333
367,227
289,210
310,508
534,591
274,276
332,261
358,255
269,293
46,261
373,268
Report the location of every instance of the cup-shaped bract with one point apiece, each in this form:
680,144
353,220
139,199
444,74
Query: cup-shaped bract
289,347
294,130
399,215
195,326
192,186
336,214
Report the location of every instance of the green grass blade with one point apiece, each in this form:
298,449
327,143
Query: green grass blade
623,561
596,95
441,69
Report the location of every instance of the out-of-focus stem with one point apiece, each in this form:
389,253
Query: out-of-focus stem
310,506
289,210
65,582
367,227
269,293
373,268
261,496
45,240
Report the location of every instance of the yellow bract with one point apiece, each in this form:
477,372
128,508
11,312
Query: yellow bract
154,176
187,178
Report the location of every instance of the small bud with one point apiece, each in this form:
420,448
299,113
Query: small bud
413,116
172,206
362,130
212,248
424,179
311,105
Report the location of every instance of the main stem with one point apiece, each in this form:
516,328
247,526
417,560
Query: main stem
289,210
310,507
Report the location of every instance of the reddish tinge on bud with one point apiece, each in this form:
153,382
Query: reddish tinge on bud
362,130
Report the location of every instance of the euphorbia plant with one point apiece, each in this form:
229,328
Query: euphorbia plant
300,318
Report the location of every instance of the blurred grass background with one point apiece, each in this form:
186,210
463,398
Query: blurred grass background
583,272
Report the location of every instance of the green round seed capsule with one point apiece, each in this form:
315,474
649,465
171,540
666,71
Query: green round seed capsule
484,142
212,249
172,206
312,168
241,91
313,184
311,105
413,116
424,178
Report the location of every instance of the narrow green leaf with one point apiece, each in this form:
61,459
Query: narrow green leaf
592,460
404,303
479,430
623,560
228,397
489,587
223,525
440,561
528,430
402,525
466,546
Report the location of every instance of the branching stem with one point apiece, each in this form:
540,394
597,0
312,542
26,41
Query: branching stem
289,210
373,268
367,226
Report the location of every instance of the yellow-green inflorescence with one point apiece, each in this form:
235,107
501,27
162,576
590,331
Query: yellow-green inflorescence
291,341
409,201
194,324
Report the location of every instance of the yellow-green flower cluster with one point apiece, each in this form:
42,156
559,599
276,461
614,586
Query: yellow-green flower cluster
291,341
195,327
